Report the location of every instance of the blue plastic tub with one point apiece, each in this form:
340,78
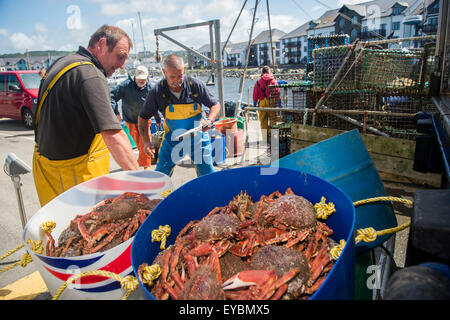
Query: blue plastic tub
198,197
218,145
344,161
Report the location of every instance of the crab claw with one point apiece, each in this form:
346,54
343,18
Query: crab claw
250,278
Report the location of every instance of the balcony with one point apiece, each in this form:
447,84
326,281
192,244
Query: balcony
430,28
373,34
294,54
292,44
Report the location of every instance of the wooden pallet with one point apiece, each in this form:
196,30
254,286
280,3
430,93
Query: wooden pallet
393,158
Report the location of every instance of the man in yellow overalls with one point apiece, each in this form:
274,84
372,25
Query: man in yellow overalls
75,125
180,101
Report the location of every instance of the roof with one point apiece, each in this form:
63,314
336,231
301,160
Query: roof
327,19
385,6
207,47
236,47
298,32
264,37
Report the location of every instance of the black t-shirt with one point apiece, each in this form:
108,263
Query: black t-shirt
76,108
159,97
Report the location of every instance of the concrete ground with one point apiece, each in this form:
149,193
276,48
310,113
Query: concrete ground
25,283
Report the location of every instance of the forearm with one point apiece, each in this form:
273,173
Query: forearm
214,112
143,130
120,148
149,148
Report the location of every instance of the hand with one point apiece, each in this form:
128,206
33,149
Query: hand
206,124
149,149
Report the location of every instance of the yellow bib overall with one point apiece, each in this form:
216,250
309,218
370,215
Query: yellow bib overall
53,177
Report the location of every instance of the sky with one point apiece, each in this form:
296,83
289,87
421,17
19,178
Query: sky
66,24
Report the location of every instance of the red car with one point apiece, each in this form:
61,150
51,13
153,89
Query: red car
18,93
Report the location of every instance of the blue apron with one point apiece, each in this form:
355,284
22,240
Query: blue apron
178,119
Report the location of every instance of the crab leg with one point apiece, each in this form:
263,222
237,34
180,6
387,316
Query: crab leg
319,263
302,236
284,279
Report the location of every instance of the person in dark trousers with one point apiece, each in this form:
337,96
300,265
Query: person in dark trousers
133,93
264,98
75,126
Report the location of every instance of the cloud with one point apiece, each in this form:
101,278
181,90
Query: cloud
40,28
340,3
109,8
21,41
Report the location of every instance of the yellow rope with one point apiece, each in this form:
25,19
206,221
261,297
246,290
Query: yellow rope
395,199
166,193
370,234
128,283
161,234
48,226
11,252
36,246
150,274
324,210
336,250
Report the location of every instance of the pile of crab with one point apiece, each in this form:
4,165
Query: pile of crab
274,248
108,224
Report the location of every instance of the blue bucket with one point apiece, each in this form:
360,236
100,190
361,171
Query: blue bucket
344,161
226,184
218,145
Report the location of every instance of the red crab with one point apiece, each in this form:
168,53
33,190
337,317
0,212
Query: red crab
110,222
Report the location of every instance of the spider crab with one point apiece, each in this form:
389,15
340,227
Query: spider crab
274,248
110,223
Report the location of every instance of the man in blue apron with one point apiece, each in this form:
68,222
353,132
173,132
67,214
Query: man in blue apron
180,101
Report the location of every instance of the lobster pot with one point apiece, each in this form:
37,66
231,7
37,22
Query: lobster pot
397,126
325,41
348,100
328,61
391,70
80,200
294,95
257,181
344,161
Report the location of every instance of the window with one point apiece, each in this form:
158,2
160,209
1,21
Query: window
395,25
341,22
383,26
12,79
397,10
355,20
354,34
30,80
2,82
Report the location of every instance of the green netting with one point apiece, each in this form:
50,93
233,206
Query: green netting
391,70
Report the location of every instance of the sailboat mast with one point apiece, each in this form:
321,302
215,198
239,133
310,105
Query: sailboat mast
142,33
270,34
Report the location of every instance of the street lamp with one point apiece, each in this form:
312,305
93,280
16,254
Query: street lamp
14,168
